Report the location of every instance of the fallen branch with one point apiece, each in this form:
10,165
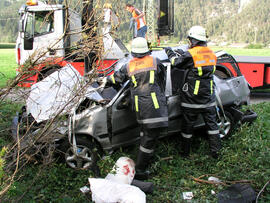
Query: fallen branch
208,181
166,158
200,180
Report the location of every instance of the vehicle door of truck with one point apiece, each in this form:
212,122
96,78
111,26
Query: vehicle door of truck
43,34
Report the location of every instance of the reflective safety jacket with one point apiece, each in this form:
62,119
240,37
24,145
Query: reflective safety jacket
198,89
140,21
147,90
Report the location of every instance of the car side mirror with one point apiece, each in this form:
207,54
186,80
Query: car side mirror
28,42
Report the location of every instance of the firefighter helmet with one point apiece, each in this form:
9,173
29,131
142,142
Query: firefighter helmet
139,45
197,32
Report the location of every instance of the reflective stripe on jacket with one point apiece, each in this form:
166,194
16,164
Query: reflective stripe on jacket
147,76
198,89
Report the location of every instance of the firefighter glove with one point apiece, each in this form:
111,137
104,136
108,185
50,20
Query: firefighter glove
179,51
169,52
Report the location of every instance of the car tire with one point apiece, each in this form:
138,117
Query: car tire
227,127
47,71
89,152
223,72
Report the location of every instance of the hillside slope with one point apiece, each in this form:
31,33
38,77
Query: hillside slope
225,20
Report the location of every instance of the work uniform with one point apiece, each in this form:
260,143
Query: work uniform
147,76
140,23
198,94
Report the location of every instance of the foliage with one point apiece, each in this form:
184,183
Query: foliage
7,111
7,45
255,46
55,183
7,65
9,19
172,174
223,20
2,162
244,51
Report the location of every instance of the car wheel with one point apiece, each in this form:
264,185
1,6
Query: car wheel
226,126
47,71
87,154
223,72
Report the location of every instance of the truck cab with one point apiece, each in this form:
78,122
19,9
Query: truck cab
42,31
47,35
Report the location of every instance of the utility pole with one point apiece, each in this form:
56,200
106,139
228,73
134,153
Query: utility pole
150,19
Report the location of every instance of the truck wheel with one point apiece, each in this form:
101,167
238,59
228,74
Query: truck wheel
88,153
227,126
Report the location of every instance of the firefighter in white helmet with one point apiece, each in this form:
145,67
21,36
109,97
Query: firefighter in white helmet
198,94
147,76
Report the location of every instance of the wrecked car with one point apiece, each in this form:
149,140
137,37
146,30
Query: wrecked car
104,120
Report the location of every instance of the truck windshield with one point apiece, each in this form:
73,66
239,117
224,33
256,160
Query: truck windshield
39,23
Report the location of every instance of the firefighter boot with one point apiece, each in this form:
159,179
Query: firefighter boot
185,147
142,162
215,145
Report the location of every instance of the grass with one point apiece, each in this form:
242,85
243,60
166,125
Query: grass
244,52
232,51
7,65
245,156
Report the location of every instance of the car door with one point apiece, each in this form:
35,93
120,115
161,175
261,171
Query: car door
125,129
173,98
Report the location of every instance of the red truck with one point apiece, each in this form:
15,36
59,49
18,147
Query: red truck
48,33
256,70
39,31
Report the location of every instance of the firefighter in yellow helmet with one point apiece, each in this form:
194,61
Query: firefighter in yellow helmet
198,93
147,76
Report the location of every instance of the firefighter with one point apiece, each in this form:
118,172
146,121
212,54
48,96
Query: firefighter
198,93
139,19
147,76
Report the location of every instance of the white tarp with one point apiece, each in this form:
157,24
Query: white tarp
116,188
55,94
106,191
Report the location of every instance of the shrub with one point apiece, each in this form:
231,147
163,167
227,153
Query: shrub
255,46
7,46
